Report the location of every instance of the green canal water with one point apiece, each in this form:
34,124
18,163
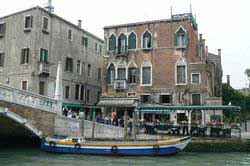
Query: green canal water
35,157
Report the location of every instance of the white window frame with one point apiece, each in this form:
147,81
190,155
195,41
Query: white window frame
47,25
30,26
192,78
65,92
136,43
71,34
191,97
115,70
22,84
142,40
183,64
121,65
177,37
80,71
151,72
116,41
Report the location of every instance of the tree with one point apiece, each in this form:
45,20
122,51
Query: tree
247,73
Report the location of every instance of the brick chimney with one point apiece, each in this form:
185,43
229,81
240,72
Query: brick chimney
79,23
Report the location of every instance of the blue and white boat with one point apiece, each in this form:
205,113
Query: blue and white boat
82,146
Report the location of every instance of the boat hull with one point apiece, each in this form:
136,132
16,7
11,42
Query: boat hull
134,149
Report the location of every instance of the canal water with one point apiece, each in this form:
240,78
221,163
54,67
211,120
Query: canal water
35,157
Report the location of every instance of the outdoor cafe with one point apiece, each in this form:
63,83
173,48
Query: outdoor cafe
189,120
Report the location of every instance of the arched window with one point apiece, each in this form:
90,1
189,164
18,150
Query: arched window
147,40
180,37
181,72
132,41
111,74
122,44
112,43
132,72
146,73
121,71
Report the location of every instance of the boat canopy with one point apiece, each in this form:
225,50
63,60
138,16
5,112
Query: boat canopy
168,109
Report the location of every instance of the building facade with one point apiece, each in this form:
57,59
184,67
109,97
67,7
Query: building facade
162,62
33,41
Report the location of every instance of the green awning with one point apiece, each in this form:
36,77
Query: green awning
73,105
167,109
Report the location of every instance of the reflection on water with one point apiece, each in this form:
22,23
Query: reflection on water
33,156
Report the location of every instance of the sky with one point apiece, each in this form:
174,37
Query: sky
223,23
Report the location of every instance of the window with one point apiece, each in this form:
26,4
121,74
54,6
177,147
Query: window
122,44
145,99
1,59
69,64
82,92
111,74
69,34
195,78
41,88
28,22
196,99
99,75
45,23
24,85
181,72
78,67
180,38
83,68
89,70
132,75
146,76
85,41
98,48
2,29
67,92
25,52
147,41
132,41
165,99
121,73
77,90
112,43
87,95
43,55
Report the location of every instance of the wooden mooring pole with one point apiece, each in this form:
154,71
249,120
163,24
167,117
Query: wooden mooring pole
125,124
93,124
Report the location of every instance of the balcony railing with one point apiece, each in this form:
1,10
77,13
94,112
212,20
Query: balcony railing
119,51
120,84
44,69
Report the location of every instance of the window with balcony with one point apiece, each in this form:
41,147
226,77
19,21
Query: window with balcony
181,72
111,74
69,64
43,55
112,43
180,37
121,73
132,41
146,73
25,53
122,44
195,78
2,29
1,59
147,40
28,22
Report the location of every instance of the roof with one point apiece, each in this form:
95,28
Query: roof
167,109
54,15
177,17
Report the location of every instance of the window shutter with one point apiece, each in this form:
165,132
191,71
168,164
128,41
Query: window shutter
175,39
31,21
41,55
45,56
28,53
22,56
186,39
4,27
71,65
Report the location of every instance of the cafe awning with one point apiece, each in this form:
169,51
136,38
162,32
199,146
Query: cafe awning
117,102
73,105
167,109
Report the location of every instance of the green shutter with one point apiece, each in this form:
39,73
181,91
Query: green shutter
41,55
175,39
46,56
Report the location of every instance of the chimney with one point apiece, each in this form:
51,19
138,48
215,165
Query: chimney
219,52
228,80
200,37
79,23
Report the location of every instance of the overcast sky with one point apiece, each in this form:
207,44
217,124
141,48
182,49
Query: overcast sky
224,24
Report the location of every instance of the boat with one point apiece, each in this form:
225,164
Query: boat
122,148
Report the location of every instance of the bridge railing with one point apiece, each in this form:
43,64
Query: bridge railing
26,98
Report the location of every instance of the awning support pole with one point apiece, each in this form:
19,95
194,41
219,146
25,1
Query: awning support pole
83,116
125,124
134,126
93,124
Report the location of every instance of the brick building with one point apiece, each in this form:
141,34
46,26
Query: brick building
161,62
33,41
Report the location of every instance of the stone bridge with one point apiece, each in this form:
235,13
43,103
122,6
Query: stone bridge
23,113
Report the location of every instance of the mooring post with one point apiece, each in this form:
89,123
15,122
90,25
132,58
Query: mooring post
83,116
134,126
125,124
93,124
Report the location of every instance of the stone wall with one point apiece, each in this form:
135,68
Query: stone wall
73,127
